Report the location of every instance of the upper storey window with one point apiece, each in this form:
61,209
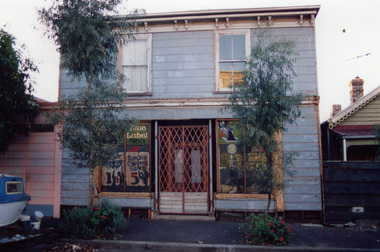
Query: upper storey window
232,53
136,64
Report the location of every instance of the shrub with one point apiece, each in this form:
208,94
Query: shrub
262,230
106,221
76,224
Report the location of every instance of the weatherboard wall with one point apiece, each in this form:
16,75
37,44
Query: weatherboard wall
304,189
367,115
183,68
183,64
37,159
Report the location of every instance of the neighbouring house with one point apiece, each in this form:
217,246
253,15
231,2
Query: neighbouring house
182,159
37,159
351,171
347,135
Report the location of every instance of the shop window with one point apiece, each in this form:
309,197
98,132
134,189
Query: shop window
136,64
234,160
129,171
233,48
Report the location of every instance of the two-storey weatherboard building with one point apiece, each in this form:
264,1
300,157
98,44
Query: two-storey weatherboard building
183,158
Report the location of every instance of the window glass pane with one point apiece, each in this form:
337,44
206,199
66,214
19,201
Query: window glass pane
231,162
225,75
239,66
135,78
129,169
239,171
195,166
135,52
178,166
14,187
225,47
238,72
256,160
239,47
113,174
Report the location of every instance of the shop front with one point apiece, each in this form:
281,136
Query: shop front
183,167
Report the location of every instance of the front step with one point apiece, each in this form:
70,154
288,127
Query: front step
157,216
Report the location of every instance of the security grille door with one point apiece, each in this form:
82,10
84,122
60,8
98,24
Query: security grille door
183,170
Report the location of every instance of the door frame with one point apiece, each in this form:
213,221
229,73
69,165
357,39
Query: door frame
209,124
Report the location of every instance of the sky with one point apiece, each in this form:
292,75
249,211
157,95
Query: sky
347,40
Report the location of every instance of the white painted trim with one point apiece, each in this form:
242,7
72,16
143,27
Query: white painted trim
344,150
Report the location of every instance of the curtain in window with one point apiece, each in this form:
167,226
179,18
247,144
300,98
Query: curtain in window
135,65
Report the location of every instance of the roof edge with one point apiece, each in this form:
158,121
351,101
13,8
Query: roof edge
233,11
353,108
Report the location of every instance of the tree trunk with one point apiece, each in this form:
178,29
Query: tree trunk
268,205
93,189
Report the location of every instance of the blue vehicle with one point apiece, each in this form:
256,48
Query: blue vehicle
13,199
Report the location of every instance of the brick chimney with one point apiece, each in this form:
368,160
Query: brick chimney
356,89
336,108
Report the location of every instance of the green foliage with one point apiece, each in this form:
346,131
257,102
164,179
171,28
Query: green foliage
264,103
266,230
105,221
76,224
90,127
88,39
108,220
88,36
16,99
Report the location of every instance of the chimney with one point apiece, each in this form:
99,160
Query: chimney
336,108
356,89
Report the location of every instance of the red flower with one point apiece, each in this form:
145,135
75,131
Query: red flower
288,227
282,222
281,239
95,208
290,230
271,224
272,230
103,217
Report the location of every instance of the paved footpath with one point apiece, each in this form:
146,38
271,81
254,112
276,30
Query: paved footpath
169,235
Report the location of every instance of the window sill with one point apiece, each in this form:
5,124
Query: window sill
127,195
225,196
139,94
222,91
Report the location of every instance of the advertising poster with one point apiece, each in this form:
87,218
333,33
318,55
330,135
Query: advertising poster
129,171
113,175
138,158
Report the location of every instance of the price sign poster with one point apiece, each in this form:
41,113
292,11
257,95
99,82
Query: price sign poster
113,175
137,158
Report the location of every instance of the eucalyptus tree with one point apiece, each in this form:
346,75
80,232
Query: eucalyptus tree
88,33
17,106
264,103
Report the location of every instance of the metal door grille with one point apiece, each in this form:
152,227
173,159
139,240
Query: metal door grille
183,169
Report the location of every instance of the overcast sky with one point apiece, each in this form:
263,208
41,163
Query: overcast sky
345,30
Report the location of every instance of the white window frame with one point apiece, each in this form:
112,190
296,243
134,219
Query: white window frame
217,35
147,37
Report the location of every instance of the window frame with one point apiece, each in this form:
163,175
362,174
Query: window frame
20,187
148,90
217,34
